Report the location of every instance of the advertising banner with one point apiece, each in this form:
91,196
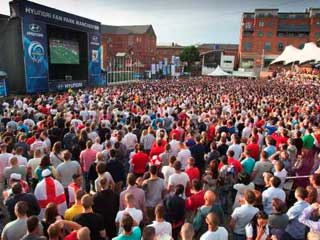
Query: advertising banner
94,60
153,69
3,88
35,55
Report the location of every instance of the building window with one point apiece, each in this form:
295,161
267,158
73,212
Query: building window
269,34
280,46
269,24
246,63
247,34
317,34
260,34
247,46
261,24
267,46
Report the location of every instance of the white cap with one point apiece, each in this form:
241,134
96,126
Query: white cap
15,176
46,173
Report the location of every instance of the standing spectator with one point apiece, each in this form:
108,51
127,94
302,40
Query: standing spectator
197,152
87,157
139,161
88,218
235,146
34,231
76,208
74,187
16,229
187,232
178,178
166,155
103,198
15,168
196,200
296,229
192,171
44,165
130,231
214,230
274,191
162,227
241,216
279,219
56,156
167,171
248,162
116,169
155,190
258,227
260,167
130,140
139,195
183,155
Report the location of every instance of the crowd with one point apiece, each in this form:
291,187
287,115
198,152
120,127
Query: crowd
187,159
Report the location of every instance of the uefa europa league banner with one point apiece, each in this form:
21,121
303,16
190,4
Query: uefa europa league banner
35,54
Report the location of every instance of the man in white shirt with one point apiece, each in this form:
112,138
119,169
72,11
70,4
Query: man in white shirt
174,145
235,146
162,227
38,144
135,213
177,178
167,171
214,231
183,155
272,192
130,140
4,162
241,216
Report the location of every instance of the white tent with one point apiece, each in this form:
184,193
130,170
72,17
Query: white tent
289,55
310,52
218,72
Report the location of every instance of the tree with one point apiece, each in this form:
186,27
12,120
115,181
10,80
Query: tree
190,55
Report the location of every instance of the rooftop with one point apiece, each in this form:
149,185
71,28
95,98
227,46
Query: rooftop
134,29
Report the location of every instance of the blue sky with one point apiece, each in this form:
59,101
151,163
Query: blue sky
182,21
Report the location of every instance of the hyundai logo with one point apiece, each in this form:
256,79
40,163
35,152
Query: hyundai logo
34,27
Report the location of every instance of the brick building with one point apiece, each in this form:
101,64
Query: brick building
266,32
167,51
138,42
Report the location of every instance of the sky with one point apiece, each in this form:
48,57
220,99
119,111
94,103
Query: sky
184,22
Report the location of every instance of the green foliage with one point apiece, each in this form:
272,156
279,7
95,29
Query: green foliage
190,55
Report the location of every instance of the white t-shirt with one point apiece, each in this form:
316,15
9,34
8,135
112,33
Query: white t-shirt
237,149
22,160
33,164
282,175
179,178
162,228
130,140
183,157
220,234
167,172
136,214
107,176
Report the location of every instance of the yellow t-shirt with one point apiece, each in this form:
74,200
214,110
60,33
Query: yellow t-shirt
72,212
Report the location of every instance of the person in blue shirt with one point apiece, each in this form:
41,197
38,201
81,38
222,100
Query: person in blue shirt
248,162
129,231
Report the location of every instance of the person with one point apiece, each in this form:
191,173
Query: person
235,146
258,227
149,233
187,231
135,213
274,191
116,169
56,156
94,221
179,177
243,184
210,205
74,187
279,219
155,190
280,172
103,198
102,173
260,167
76,208
248,162
175,210
15,168
305,219
197,152
44,165
87,157
34,231
51,215
162,227
66,170
167,171
295,229
166,155
139,161
17,196
130,232
139,195
242,215
192,171
16,229
214,230
50,190
196,200
183,155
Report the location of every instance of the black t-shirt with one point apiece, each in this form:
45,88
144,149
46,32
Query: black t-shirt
94,221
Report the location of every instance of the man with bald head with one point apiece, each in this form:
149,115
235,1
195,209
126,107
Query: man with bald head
210,206
214,231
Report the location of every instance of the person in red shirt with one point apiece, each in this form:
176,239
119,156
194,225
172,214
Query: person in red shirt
253,147
192,171
212,131
175,132
231,161
280,138
157,149
139,161
196,200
